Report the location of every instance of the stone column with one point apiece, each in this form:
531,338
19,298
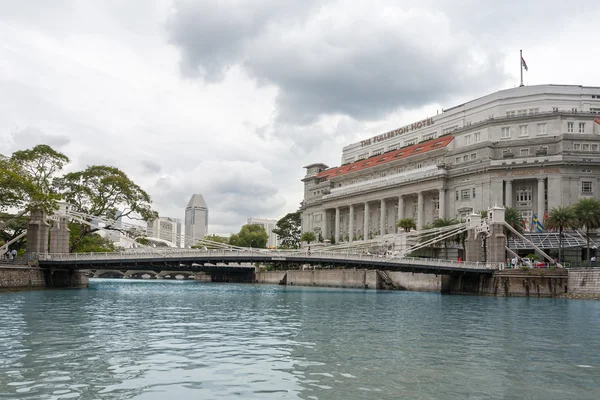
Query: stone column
541,201
420,211
508,194
442,199
351,224
400,211
337,225
59,236
382,218
325,227
37,234
366,227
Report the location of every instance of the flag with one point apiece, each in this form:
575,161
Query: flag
537,224
524,64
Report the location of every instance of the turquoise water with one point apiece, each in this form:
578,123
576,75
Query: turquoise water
186,340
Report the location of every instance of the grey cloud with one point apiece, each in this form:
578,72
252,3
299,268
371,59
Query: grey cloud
32,136
151,167
324,65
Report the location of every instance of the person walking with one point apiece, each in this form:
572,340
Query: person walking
14,253
593,261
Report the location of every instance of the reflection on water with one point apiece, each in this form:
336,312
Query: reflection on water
187,340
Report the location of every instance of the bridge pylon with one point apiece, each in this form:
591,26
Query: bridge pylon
37,234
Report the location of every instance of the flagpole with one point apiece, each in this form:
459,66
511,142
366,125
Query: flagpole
521,64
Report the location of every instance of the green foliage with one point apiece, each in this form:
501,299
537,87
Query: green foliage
321,240
308,237
143,241
250,236
407,224
212,238
289,231
92,243
513,218
483,213
587,215
13,229
26,178
561,218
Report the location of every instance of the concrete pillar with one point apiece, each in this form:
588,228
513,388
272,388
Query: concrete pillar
37,234
442,199
541,201
420,211
351,224
366,227
337,225
326,234
382,218
400,211
473,249
508,194
59,236
496,243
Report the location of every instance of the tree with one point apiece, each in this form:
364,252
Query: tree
26,178
587,214
104,191
14,228
407,224
212,238
561,218
250,235
513,218
443,222
91,243
288,230
308,237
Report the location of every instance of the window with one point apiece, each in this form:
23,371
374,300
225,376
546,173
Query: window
595,110
570,127
523,130
505,133
576,146
510,114
419,165
586,187
429,137
574,109
393,147
436,204
473,192
467,140
554,109
477,136
363,156
466,158
594,147
457,195
582,127
377,152
542,129
524,194
524,152
585,147
465,194
473,156
445,131
410,142
534,110
521,112
457,160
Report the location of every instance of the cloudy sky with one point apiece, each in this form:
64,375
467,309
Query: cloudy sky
232,98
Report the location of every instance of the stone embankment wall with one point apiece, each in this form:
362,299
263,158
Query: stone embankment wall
354,278
508,283
20,277
584,281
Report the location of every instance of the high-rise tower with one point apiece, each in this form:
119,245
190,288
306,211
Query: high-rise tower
196,220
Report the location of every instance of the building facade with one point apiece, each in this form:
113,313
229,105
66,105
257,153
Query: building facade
167,229
533,148
269,225
196,220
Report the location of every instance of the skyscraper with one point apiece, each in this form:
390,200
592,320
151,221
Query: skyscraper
166,228
196,220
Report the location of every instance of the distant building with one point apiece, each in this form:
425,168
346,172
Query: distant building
269,225
196,220
167,229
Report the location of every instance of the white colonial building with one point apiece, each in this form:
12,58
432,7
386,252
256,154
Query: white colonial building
531,147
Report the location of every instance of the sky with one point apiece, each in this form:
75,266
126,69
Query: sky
231,98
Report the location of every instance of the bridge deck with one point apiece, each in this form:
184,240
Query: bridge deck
210,260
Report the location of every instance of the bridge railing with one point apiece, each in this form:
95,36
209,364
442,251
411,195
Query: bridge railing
273,255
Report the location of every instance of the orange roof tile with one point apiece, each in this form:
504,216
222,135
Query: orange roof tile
395,155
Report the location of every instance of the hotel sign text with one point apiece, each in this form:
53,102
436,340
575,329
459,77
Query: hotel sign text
396,132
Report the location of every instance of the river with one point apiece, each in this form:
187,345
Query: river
176,340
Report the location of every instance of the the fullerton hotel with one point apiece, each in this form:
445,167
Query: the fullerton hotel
531,147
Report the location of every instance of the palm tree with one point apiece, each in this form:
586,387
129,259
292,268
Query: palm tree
308,237
407,224
561,218
442,222
513,218
587,214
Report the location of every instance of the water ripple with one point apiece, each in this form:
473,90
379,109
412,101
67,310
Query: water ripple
181,340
